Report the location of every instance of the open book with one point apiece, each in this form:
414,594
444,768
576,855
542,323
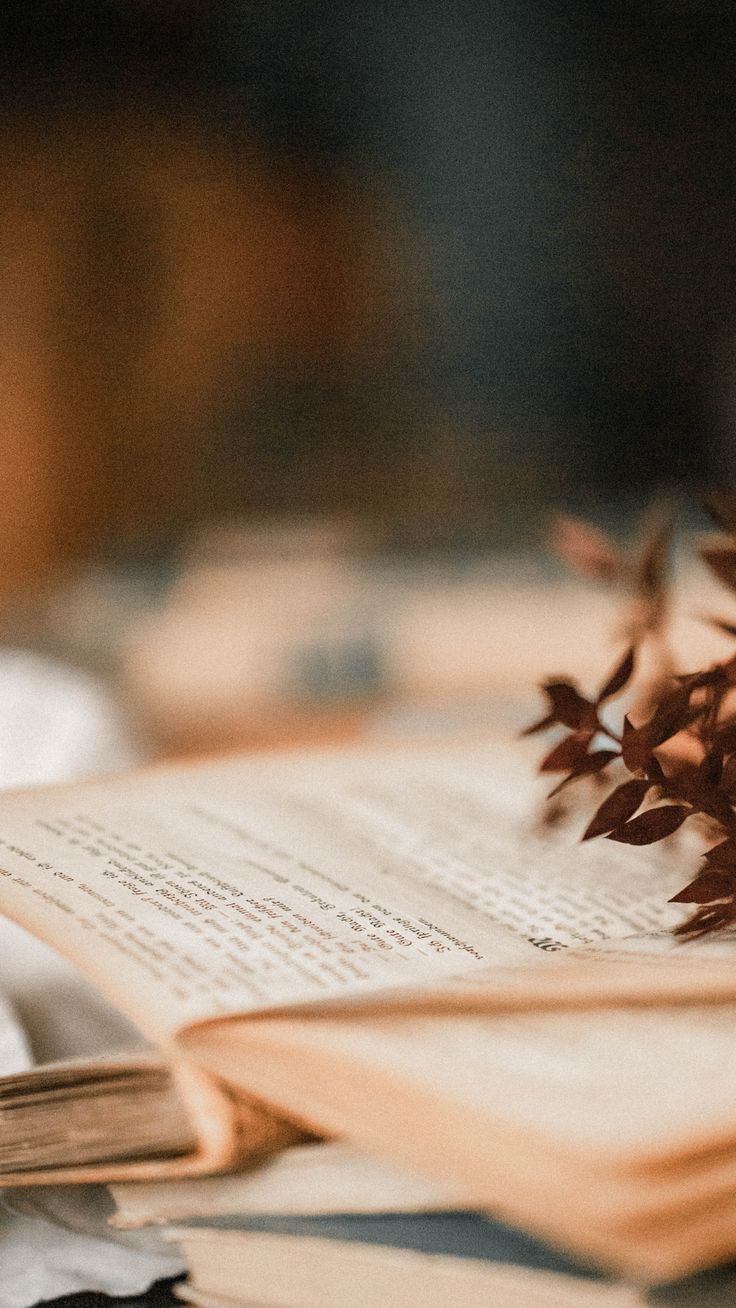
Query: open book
376,946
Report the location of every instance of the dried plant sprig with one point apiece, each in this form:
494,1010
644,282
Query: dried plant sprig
638,575
681,757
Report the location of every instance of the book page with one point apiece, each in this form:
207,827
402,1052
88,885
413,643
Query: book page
318,1178
244,884
189,892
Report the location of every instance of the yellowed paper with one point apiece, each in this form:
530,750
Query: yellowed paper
329,1177
236,886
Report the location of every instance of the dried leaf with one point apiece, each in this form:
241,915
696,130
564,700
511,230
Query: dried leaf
721,560
672,715
655,824
541,725
567,753
693,784
721,505
707,887
722,855
617,808
553,814
728,628
725,736
635,748
714,917
585,548
685,718
711,767
714,676
568,706
651,567
589,766
654,770
727,782
599,759
716,805
619,677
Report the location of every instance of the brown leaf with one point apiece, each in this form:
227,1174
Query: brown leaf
589,766
553,815
670,712
694,785
671,715
713,917
652,562
635,748
567,753
710,885
721,505
655,824
654,770
585,548
569,707
619,677
620,805
721,559
717,806
714,676
595,762
541,725
728,628
711,767
728,778
722,855
725,737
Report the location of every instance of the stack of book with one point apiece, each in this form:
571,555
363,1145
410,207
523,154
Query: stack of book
323,1224
378,948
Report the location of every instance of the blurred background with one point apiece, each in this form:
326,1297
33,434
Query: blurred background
310,315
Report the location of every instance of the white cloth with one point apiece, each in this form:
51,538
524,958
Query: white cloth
57,724
42,1260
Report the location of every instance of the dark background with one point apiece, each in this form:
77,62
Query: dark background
438,262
